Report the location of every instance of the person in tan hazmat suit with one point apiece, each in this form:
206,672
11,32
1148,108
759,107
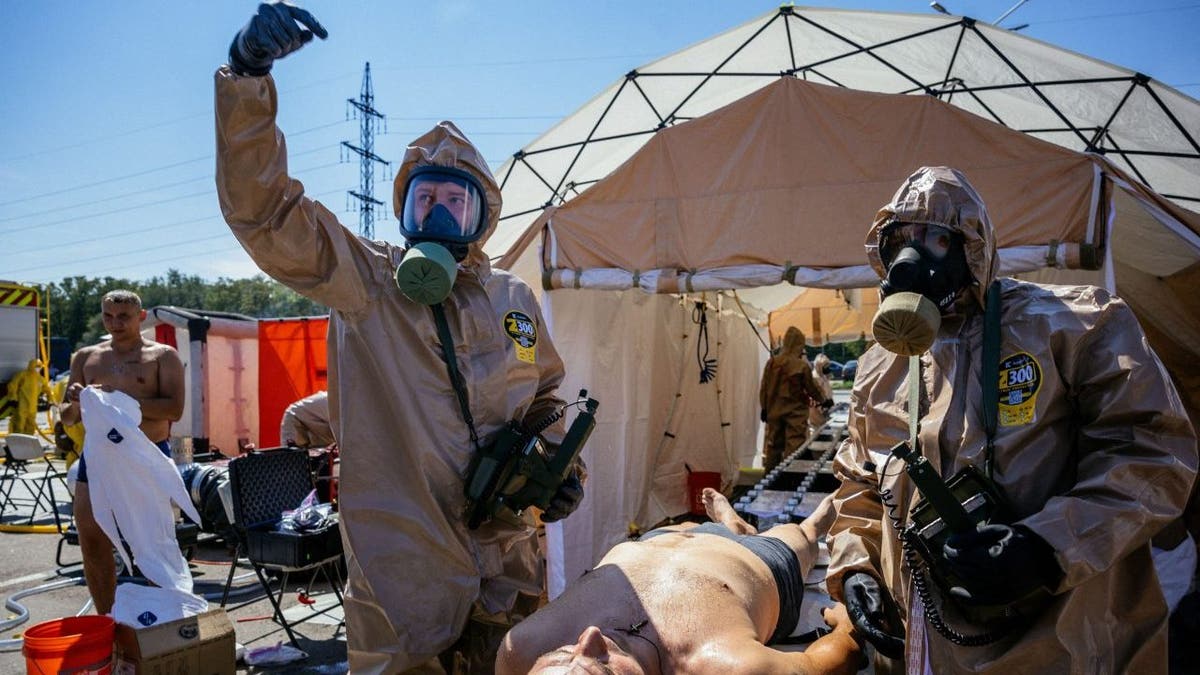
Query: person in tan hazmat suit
1090,446
305,423
818,414
416,572
786,390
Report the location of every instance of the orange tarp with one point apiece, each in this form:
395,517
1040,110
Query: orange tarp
291,365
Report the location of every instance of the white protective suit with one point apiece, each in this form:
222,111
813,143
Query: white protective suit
415,570
132,485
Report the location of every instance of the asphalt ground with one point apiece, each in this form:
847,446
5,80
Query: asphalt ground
28,561
31,560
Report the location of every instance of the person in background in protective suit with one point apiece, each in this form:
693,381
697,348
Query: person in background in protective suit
1092,448
818,414
305,423
23,391
416,573
785,393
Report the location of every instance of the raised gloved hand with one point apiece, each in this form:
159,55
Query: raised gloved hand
874,613
565,500
273,33
1000,563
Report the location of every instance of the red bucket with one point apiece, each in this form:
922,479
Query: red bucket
78,645
696,482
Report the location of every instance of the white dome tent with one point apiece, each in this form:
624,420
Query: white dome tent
1089,171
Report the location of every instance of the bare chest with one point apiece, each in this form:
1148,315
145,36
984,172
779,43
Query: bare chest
135,373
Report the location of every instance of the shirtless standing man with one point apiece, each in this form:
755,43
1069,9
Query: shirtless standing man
149,372
688,599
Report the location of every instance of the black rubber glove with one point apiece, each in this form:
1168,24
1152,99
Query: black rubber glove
874,613
565,500
762,415
272,34
1000,563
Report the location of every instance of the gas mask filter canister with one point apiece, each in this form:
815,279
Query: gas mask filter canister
906,323
926,270
426,273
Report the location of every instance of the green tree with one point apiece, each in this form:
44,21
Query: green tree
75,301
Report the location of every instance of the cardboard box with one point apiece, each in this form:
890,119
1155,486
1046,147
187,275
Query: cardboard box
196,645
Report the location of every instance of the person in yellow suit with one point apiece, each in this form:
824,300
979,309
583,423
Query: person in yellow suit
402,320
784,395
23,391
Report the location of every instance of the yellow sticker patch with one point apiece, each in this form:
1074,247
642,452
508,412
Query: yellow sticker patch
523,332
1020,380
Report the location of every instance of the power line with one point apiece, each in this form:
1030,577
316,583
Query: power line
208,192
226,249
120,134
208,176
140,250
153,169
161,246
337,78
529,62
156,125
125,233
107,180
1106,16
75,219
475,118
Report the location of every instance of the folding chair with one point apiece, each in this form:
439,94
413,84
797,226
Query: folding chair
21,452
264,484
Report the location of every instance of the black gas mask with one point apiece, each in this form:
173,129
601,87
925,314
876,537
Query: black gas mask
926,269
923,259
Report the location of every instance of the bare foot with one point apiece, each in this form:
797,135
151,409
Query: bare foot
821,519
721,511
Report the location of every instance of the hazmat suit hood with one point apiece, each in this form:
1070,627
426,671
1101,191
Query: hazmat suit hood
445,145
939,195
793,343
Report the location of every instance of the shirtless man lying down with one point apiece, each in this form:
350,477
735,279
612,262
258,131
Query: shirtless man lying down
688,598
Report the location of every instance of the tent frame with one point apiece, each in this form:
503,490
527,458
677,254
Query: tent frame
1094,139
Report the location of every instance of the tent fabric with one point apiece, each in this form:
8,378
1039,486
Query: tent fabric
637,354
826,316
165,334
1144,127
291,365
750,183
220,373
816,116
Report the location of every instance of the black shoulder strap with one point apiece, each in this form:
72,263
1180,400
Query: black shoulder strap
460,388
991,369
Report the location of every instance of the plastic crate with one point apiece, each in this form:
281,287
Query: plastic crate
293,549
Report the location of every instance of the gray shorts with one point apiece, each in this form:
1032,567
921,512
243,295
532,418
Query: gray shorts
780,559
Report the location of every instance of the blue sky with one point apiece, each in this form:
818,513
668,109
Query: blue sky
106,133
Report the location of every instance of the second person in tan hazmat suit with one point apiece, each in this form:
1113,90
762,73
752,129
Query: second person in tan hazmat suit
416,573
784,395
818,414
1077,426
305,423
